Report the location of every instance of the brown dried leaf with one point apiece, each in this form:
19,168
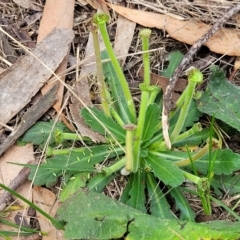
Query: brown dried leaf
225,41
46,200
163,82
24,79
57,16
21,155
124,33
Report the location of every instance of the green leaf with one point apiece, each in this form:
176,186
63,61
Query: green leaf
77,181
49,171
226,162
99,181
194,140
228,184
193,116
40,131
151,121
221,99
174,59
125,194
137,194
106,123
166,171
91,215
159,207
181,203
117,93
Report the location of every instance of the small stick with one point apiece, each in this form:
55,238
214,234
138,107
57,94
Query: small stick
167,103
15,184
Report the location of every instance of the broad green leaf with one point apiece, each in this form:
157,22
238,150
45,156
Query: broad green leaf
165,170
226,162
49,171
228,184
40,132
221,99
77,181
117,93
174,59
159,207
181,203
106,123
91,215
137,195
151,121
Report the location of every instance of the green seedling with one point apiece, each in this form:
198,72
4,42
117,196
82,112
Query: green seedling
134,145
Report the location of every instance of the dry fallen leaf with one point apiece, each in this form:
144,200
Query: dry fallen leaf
124,33
225,41
57,16
23,80
46,200
163,82
20,155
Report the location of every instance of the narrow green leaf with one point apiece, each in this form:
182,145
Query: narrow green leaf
174,59
117,94
159,207
228,184
125,194
151,121
137,194
99,181
221,99
181,203
166,171
226,162
49,171
106,123
77,181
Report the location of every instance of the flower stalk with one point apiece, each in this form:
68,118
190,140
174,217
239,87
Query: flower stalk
194,77
100,76
101,20
146,90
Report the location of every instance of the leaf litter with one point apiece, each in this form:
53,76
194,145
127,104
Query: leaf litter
197,10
